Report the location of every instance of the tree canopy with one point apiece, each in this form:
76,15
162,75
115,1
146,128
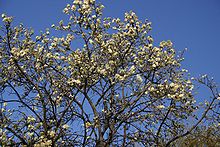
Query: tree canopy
102,82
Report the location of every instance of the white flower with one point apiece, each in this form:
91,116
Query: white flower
65,10
65,126
181,95
150,39
160,106
204,76
77,81
151,89
30,134
4,104
48,143
3,15
30,119
102,71
218,98
139,78
91,41
30,127
132,69
172,84
73,8
88,124
154,65
52,133
175,87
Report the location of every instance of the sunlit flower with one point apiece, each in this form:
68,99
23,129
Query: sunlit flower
65,126
3,15
88,124
160,106
139,78
5,104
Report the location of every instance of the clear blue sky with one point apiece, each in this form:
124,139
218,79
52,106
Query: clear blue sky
192,24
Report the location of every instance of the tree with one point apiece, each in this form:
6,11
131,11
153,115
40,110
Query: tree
202,136
116,89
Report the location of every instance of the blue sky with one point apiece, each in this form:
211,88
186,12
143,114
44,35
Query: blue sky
192,24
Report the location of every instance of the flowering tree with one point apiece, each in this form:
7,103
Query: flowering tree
116,88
